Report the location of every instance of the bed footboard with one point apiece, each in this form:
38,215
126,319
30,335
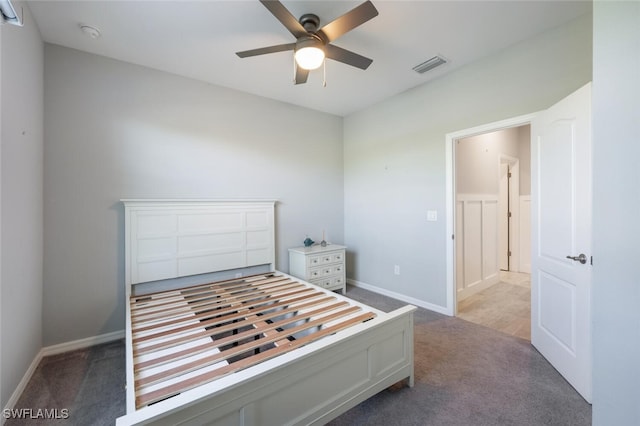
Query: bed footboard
311,385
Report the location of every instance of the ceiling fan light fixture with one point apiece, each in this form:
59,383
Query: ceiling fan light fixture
309,53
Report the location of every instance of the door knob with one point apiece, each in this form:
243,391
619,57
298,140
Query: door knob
581,258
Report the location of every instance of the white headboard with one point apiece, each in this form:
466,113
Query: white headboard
167,239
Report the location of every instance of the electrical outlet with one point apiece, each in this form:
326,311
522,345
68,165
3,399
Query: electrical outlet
238,274
432,215
396,269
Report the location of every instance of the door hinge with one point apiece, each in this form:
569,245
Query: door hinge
453,237
508,214
509,174
509,253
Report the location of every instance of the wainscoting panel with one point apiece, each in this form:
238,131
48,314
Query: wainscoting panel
476,243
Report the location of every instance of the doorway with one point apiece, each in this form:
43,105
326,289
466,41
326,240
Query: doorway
561,315
492,189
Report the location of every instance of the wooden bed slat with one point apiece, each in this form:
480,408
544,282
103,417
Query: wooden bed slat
163,393
215,345
282,299
247,278
217,309
250,346
140,301
262,313
195,336
213,300
170,297
237,321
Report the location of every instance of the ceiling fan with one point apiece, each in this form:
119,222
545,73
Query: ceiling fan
312,43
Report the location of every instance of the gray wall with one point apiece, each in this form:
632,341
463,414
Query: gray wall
116,130
616,203
478,157
524,154
395,154
21,201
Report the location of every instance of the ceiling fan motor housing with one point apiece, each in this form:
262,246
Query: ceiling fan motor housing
310,22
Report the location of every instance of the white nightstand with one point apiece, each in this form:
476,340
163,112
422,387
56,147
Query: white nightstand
323,266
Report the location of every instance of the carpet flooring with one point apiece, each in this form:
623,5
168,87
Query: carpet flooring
465,374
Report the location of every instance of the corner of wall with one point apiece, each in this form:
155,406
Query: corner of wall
21,202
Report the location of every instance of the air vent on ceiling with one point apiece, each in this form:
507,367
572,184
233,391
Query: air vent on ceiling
429,64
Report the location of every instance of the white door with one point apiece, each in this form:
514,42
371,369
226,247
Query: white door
561,237
503,217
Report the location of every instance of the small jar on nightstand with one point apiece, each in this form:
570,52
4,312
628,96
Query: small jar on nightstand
322,266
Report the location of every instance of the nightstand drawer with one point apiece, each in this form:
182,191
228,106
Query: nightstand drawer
324,271
324,259
330,283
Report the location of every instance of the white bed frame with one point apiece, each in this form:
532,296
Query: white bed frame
170,243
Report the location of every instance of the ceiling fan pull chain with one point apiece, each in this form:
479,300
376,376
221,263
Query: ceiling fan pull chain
295,69
324,72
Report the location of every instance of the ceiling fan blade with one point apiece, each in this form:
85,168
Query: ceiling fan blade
347,57
283,15
265,50
349,21
301,75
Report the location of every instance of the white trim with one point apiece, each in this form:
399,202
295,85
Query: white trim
17,393
525,243
450,225
55,350
82,343
478,287
404,298
477,197
450,207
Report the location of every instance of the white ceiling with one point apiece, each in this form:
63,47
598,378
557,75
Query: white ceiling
198,39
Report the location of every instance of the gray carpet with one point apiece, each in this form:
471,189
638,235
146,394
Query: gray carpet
89,383
465,374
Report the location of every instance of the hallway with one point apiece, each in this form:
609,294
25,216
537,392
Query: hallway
505,306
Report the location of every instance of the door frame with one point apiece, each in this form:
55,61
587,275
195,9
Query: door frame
514,207
450,192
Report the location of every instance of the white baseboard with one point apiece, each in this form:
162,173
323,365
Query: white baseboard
54,350
82,343
421,303
15,396
478,287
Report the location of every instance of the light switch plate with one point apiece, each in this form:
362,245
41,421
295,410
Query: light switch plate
432,215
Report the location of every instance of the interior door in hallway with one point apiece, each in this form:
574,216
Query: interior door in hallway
561,237
503,217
